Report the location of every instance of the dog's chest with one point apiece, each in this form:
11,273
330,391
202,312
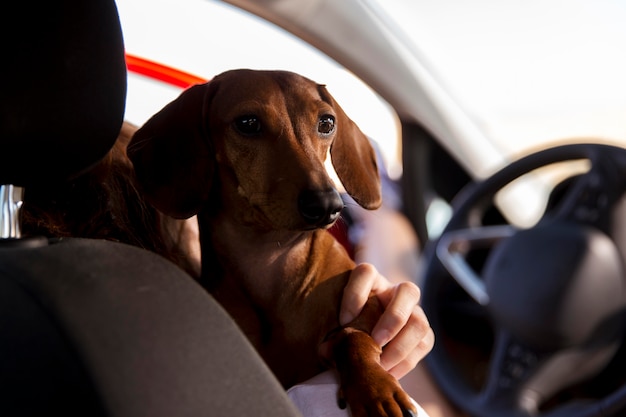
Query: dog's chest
285,299
284,341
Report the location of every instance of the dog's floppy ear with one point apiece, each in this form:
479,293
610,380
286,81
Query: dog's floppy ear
173,156
354,159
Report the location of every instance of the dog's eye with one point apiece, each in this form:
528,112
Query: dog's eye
248,125
326,125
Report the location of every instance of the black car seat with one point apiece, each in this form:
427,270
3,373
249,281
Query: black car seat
93,327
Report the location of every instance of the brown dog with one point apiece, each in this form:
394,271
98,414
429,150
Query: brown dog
246,153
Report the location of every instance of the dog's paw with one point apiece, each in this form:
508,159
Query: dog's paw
376,393
365,386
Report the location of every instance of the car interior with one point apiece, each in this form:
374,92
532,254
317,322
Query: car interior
529,320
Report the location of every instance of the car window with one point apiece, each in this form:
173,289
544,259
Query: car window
205,38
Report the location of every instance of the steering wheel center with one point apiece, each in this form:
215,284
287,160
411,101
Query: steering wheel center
557,286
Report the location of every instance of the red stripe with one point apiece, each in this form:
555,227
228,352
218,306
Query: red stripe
161,72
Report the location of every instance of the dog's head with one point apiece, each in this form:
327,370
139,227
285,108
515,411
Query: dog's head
260,140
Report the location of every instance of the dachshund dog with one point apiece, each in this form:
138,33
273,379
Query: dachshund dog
246,153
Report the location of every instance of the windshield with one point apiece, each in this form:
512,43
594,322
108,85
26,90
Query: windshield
531,73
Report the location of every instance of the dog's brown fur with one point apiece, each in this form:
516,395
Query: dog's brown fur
265,258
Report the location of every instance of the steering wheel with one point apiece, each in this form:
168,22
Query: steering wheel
529,322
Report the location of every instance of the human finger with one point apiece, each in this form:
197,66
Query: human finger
400,302
409,347
364,280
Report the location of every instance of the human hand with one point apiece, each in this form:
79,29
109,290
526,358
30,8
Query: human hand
403,330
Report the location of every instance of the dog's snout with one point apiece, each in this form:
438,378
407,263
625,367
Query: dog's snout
320,208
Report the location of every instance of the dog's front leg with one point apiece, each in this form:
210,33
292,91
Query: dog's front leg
366,387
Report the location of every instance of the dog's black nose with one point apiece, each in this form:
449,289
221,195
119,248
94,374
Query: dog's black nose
320,208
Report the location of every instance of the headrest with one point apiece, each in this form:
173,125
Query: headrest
63,88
